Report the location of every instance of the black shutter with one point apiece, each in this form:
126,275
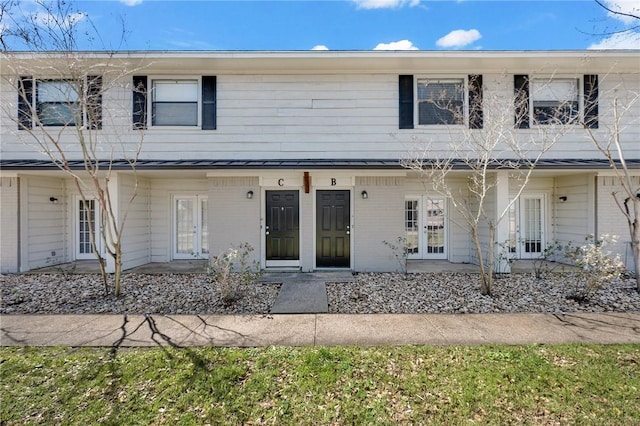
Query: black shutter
405,109
476,115
590,89
521,100
208,103
94,101
25,101
139,102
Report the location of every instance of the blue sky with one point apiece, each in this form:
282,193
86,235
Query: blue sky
358,24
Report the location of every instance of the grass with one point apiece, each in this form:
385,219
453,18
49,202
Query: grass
536,384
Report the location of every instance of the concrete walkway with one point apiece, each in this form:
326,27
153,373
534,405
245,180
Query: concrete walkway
317,329
303,293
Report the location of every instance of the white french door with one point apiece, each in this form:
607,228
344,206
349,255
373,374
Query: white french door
87,222
190,231
528,236
425,227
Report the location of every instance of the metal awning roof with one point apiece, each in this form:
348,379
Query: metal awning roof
213,164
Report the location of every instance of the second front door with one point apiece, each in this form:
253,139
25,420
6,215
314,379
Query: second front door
333,229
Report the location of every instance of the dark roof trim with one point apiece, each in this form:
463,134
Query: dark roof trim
122,164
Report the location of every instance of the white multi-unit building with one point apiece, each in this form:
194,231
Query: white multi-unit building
299,154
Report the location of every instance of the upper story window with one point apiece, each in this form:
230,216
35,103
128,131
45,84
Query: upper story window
428,101
181,102
440,101
60,102
175,103
554,101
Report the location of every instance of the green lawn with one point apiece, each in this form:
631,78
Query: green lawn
537,384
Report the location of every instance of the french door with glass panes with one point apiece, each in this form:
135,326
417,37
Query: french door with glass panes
425,225
87,224
190,231
527,226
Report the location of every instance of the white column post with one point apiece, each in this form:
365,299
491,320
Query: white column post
502,224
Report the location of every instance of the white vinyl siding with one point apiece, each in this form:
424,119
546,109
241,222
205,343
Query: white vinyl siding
233,218
318,116
610,219
574,218
9,213
136,243
42,223
384,205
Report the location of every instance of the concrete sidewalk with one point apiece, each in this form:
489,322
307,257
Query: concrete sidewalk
317,329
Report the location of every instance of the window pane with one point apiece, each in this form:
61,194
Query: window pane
175,91
57,91
411,225
437,113
58,114
440,101
563,90
175,114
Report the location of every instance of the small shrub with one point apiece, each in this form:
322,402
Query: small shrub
541,267
399,250
233,272
596,267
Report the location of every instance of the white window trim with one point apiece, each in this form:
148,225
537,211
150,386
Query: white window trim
152,79
444,78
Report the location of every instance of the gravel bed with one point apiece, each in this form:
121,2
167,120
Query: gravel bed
369,293
141,294
460,293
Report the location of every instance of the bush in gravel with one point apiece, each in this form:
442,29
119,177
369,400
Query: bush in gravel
596,267
541,265
233,271
400,250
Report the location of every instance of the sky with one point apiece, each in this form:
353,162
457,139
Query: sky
301,25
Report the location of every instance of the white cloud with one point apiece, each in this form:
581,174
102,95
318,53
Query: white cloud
623,6
320,47
459,38
396,45
48,20
131,2
385,4
626,40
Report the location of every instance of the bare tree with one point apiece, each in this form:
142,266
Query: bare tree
484,148
608,138
623,25
60,113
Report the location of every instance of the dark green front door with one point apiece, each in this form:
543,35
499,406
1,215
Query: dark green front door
282,227
333,229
